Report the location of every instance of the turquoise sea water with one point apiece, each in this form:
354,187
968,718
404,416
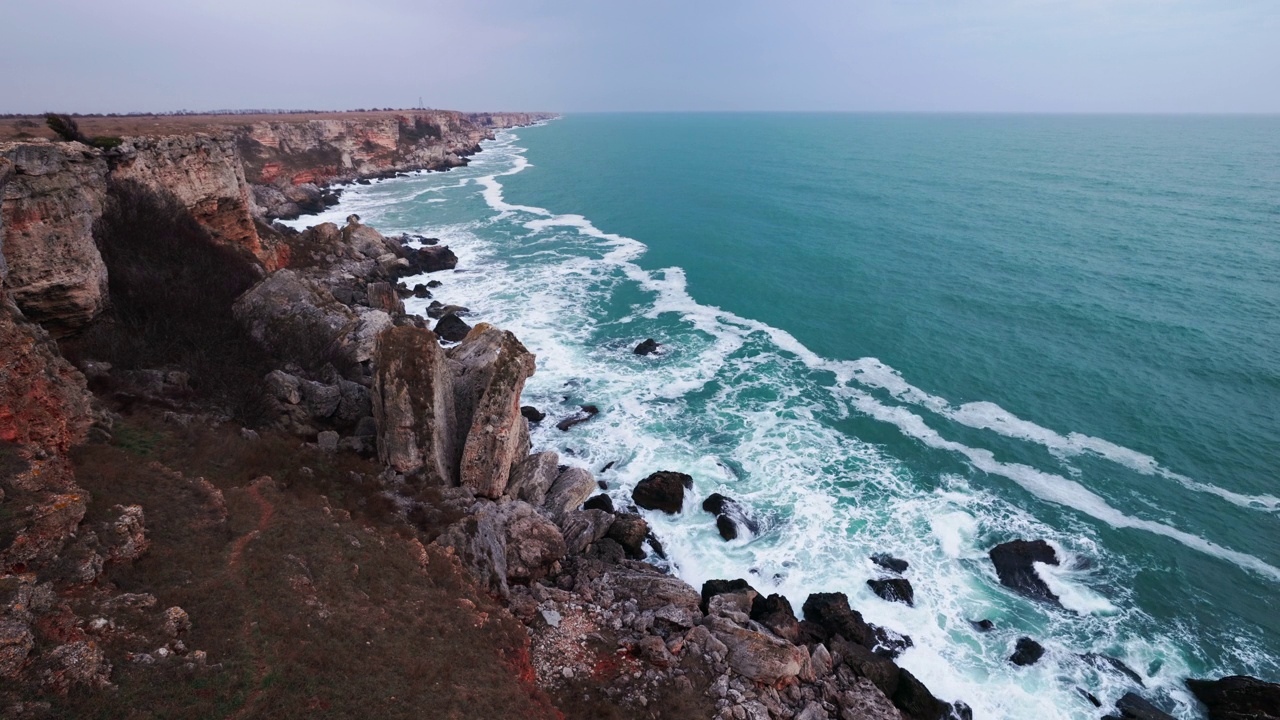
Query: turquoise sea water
920,335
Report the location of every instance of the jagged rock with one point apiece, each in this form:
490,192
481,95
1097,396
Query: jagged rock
983,625
354,403
756,656
532,414
583,527
712,588
832,612
383,297
533,543
735,606
124,539
452,328
864,663
891,563
914,699
1106,663
413,405
1134,707
663,490
80,663
775,613
1027,652
489,369
284,387
532,477
894,590
53,195
651,589
1015,567
630,530
361,343
585,413
502,543
437,310
570,489
648,346
294,317
823,664
322,400
1238,697
421,292
730,515
599,502
176,621
433,259
366,241
864,701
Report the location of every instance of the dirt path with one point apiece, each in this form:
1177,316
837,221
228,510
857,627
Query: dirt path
265,511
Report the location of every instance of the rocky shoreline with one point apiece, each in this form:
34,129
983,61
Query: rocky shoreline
436,408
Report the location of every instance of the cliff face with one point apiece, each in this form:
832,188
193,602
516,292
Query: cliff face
207,176
53,196
339,149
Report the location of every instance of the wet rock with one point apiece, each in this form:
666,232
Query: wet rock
436,310
1134,707
1107,663
914,699
599,502
1090,697
413,405
645,348
775,613
730,515
532,477
1238,697
570,489
532,414
891,563
585,413
663,490
421,292
1027,652
629,531
894,590
832,612
756,656
880,671
431,259
983,625
1014,562
452,328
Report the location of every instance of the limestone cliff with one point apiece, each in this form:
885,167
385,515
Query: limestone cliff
53,196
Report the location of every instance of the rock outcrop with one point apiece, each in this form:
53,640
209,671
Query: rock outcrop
413,405
663,490
1238,697
54,194
1015,566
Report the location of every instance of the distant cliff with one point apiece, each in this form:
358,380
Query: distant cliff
232,180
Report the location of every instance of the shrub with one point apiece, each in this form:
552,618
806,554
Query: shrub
64,127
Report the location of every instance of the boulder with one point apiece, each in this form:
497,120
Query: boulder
365,240
432,258
730,515
915,700
413,405
382,296
570,489
1106,663
583,527
864,701
832,612
294,317
890,563
880,671
894,590
1134,707
452,328
284,387
1015,566
758,657
532,414
630,530
1238,697
647,347
1027,652
321,400
532,477
585,413
510,542
652,589
599,502
712,588
983,625
534,544
489,369
775,613
663,490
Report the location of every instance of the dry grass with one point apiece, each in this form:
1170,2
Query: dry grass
321,613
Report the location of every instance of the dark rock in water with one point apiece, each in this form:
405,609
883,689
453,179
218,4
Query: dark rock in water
436,310
433,259
889,643
894,590
882,672
1134,707
1238,697
1089,696
532,414
452,328
1110,664
656,545
832,612
602,484
726,527
1014,565
775,613
599,502
715,503
663,490
711,588
608,465
983,625
430,241
421,292
586,413
648,346
434,283
1027,652
914,699
629,530
889,562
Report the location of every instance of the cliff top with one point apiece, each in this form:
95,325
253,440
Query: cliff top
26,127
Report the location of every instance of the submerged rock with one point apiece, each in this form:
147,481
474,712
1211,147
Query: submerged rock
891,563
1015,566
1027,652
648,346
730,515
663,490
1238,697
831,611
585,413
1134,707
894,590
983,625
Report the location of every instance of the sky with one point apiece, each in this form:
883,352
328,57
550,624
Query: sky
1176,56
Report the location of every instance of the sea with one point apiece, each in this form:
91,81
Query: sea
920,335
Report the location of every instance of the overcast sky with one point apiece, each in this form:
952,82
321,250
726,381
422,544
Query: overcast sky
581,55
